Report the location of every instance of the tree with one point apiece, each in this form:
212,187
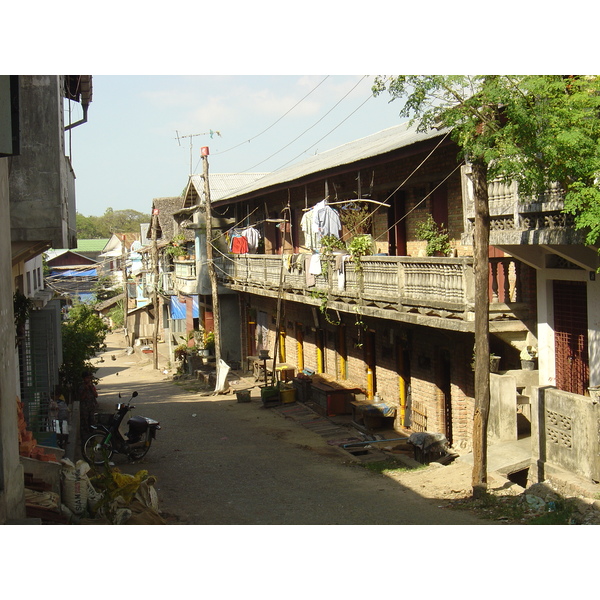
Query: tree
110,222
535,130
83,335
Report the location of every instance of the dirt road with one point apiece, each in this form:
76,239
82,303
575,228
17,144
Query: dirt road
221,462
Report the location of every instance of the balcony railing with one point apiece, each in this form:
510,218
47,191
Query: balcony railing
517,220
431,287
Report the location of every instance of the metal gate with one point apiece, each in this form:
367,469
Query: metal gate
39,361
571,336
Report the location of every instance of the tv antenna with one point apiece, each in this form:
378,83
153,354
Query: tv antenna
191,136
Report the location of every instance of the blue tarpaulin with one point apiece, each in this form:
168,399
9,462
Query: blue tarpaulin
74,273
178,308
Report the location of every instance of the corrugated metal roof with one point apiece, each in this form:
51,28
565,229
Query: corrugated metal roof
377,144
91,245
225,185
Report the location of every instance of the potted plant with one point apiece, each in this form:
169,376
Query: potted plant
528,358
437,238
175,251
209,342
331,244
360,245
494,363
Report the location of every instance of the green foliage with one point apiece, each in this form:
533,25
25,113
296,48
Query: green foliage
116,314
324,298
435,235
209,340
533,129
22,307
357,217
360,245
83,335
110,222
329,243
175,251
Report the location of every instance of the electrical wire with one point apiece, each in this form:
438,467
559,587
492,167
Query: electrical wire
327,134
309,128
369,97
275,123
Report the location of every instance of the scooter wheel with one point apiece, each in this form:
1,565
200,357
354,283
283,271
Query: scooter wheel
95,451
138,453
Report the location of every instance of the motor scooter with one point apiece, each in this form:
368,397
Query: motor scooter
107,438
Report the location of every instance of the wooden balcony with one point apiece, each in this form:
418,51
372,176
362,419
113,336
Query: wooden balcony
184,279
436,292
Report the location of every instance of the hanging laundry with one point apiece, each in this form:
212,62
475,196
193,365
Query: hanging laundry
310,278
326,221
239,245
315,264
340,261
253,236
306,224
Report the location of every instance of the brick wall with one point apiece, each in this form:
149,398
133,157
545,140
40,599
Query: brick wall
425,351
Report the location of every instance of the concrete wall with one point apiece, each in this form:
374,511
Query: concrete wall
42,181
564,430
12,503
502,424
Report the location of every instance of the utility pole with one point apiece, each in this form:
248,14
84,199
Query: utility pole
210,264
125,299
155,300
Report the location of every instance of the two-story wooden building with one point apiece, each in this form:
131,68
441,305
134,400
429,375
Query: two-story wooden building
397,323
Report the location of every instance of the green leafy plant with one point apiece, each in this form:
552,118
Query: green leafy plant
360,245
22,307
329,243
324,298
175,251
357,217
438,242
209,341
83,335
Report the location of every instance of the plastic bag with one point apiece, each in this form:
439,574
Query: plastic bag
75,485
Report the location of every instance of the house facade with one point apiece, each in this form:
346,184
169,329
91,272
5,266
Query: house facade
37,197
398,324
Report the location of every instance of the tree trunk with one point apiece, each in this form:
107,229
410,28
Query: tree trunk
482,343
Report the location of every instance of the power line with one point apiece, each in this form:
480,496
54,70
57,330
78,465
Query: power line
327,134
309,128
275,123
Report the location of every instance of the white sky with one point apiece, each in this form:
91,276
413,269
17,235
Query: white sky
253,62
128,152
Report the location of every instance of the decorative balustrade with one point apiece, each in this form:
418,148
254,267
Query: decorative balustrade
433,286
398,282
510,212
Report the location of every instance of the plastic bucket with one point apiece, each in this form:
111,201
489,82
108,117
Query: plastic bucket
287,396
243,395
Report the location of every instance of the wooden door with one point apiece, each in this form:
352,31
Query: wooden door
570,336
